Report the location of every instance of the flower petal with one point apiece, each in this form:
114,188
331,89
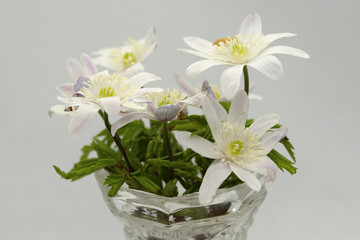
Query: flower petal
270,139
284,50
268,65
239,109
251,25
128,118
198,67
133,70
142,78
219,109
198,144
89,64
275,36
194,53
217,173
230,81
199,44
75,68
266,167
264,123
246,176
80,83
212,118
167,112
184,84
82,117
111,105
66,88
150,36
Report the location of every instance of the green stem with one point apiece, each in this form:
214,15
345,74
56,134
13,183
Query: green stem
168,144
117,140
246,80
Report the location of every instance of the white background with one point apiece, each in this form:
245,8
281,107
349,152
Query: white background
318,99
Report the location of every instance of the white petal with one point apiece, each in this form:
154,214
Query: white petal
198,67
143,78
264,123
167,112
219,109
270,139
126,119
266,167
111,105
142,91
133,70
272,37
184,84
239,109
199,44
75,68
247,177
149,50
83,116
150,36
66,88
89,64
230,81
268,65
215,175
254,96
198,144
194,100
212,119
285,50
58,109
251,25
194,53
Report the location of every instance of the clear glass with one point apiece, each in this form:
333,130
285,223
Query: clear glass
146,216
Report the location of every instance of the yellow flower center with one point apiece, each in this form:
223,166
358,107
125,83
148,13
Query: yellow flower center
107,92
239,50
128,59
236,147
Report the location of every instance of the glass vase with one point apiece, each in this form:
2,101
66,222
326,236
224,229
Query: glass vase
147,216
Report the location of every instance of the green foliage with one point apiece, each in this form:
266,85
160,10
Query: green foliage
147,154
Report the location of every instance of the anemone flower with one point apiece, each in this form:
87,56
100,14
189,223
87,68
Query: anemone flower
248,47
129,56
109,93
236,148
160,106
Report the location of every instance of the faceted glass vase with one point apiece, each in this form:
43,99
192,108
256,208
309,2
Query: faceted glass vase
147,216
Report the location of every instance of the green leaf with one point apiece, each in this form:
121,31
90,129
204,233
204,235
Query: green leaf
147,184
289,147
226,105
170,164
190,123
282,162
115,181
86,150
170,189
114,189
60,172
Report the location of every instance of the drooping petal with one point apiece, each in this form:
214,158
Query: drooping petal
150,36
194,53
198,67
66,88
128,118
82,117
88,64
74,68
268,65
251,25
58,109
266,167
264,123
230,81
246,176
270,139
184,84
198,144
275,36
212,118
142,78
199,44
239,109
111,105
167,112
285,50
217,173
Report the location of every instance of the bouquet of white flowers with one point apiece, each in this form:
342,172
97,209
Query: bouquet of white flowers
202,153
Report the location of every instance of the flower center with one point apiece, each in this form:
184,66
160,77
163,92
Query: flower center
107,92
128,59
166,98
239,50
236,147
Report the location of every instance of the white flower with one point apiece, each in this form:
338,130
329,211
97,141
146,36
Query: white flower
211,88
129,56
161,106
248,47
102,91
236,148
